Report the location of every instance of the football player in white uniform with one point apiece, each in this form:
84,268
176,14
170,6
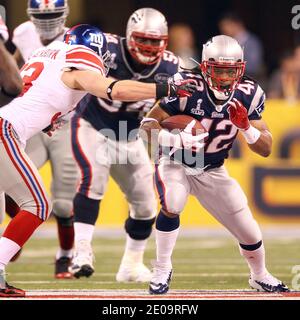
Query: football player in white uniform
10,84
55,79
226,102
47,24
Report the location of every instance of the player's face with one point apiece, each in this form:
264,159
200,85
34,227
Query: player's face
222,76
147,46
225,76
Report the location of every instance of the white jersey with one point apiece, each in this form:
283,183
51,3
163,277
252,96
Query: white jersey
27,39
3,30
44,94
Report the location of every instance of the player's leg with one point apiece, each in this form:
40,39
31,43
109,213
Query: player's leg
37,152
89,149
223,197
136,181
173,189
65,175
2,206
21,181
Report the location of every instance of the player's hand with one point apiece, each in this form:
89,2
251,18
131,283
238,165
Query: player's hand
182,88
238,114
188,140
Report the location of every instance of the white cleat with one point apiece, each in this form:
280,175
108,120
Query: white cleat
268,283
82,262
160,281
135,272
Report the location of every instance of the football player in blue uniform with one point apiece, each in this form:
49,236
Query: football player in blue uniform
226,102
112,126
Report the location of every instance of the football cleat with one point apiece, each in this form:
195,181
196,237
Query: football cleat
268,284
61,268
7,291
161,279
82,262
137,272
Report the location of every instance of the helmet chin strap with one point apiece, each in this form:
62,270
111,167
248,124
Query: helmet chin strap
220,95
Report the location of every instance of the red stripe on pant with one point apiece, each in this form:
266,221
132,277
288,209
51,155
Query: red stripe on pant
16,166
34,177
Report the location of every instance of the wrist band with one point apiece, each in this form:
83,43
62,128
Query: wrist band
162,90
251,135
109,89
148,120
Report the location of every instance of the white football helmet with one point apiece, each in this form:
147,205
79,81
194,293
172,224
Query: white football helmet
48,16
222,65
147,35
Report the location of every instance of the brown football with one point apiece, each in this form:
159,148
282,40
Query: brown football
180,122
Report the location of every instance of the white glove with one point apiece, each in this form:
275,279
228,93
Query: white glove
183,140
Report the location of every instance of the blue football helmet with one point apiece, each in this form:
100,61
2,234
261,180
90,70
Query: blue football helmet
48,16
91,37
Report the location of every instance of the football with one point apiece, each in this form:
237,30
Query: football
180,122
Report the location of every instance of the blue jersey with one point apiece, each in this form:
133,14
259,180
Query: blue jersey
215,118
123,117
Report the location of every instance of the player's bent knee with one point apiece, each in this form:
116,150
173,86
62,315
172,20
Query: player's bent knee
139,229
143,210
175,201
62,208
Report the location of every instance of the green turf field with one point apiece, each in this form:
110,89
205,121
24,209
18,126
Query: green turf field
199,263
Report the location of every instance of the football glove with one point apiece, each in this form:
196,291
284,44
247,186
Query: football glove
238,114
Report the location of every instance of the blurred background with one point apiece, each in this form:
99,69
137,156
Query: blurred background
272,46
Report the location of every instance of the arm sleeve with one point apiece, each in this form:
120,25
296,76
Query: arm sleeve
83,58
257,104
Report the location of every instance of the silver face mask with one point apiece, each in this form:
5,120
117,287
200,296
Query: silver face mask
49,22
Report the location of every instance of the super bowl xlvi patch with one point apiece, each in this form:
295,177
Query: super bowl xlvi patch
198,111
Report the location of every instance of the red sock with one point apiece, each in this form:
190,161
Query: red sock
65,233
12,209
21,227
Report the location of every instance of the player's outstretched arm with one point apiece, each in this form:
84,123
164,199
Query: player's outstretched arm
124,90
10,79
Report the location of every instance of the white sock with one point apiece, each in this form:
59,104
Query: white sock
64,253
256,261
134,251
8,249
165,243
83,231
